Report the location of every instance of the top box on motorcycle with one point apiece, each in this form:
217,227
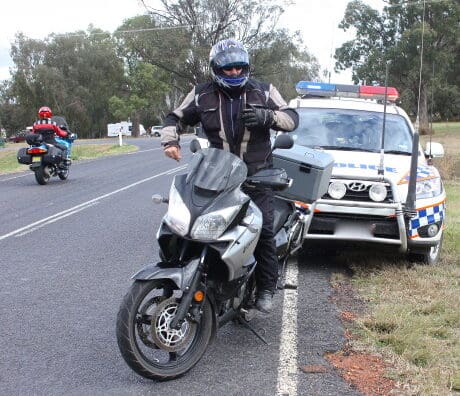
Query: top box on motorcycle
309,169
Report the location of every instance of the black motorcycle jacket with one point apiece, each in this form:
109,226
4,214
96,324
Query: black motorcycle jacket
219,115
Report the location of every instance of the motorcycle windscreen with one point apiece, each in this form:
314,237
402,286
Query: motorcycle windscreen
216,170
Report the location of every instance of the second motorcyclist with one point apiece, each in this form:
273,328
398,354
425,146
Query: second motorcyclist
48,129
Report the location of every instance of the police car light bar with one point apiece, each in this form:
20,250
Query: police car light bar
307,88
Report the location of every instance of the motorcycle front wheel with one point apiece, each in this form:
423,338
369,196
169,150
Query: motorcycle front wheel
42,174
147,343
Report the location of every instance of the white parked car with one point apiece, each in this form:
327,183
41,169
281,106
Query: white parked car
156,130
367,198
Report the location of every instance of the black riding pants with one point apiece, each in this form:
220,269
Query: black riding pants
265,252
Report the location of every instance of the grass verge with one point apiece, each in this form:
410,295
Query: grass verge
9,163
412,315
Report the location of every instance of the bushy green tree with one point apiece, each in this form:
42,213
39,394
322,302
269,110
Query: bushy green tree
177,37
142,99
75,74
394,37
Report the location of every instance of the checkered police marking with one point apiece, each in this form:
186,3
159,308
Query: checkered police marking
426,216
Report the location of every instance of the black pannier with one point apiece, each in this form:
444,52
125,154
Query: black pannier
23,157
34,138
53,156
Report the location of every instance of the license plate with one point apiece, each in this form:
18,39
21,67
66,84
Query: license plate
36,159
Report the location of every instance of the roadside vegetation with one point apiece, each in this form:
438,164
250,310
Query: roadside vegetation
9,162
145,67
412,315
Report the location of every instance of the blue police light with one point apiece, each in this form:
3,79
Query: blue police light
315,89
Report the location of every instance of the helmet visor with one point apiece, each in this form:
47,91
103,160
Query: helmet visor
231,57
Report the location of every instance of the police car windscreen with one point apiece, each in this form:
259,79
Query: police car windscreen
351,130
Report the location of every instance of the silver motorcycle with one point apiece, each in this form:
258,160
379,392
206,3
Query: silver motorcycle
206,274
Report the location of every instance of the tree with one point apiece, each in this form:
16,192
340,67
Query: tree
143,96
177,37
395,37
75,74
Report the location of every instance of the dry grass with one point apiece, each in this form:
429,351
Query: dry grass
414,320
97,150
413,315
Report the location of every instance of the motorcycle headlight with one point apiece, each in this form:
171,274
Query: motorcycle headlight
428,188
378,192
211,226
178,216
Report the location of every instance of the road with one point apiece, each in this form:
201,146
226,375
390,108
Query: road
68,250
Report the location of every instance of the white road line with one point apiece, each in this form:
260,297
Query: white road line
144,151
287,368
15,177
65,213
55,219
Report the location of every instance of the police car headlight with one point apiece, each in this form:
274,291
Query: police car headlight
337,190
378,192
428,188
178,216
212,225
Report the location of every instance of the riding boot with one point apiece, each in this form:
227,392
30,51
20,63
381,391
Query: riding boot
264,301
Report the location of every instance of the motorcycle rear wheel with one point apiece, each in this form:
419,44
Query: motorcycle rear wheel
143,324
42,175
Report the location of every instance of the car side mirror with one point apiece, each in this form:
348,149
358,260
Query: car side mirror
434,150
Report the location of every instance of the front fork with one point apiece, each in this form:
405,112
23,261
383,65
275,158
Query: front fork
189,294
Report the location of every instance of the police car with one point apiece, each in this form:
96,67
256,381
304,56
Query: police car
368,197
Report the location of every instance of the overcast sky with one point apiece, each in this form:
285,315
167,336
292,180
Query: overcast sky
317,21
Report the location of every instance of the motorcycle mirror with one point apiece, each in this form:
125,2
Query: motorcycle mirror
283,141
195,146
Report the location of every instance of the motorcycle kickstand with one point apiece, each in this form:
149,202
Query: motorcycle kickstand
254,331
281,284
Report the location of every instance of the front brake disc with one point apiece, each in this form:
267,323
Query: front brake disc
171,340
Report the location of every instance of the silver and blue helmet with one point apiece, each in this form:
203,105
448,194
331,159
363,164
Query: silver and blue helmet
227,53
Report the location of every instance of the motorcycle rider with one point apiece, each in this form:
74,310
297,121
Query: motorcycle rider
48,128
236,113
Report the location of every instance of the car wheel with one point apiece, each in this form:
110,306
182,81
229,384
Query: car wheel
428,256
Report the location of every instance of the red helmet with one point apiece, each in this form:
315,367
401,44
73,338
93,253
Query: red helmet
45,112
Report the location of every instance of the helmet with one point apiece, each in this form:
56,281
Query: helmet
227,53
44,112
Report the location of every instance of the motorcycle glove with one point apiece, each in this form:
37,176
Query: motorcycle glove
258,118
